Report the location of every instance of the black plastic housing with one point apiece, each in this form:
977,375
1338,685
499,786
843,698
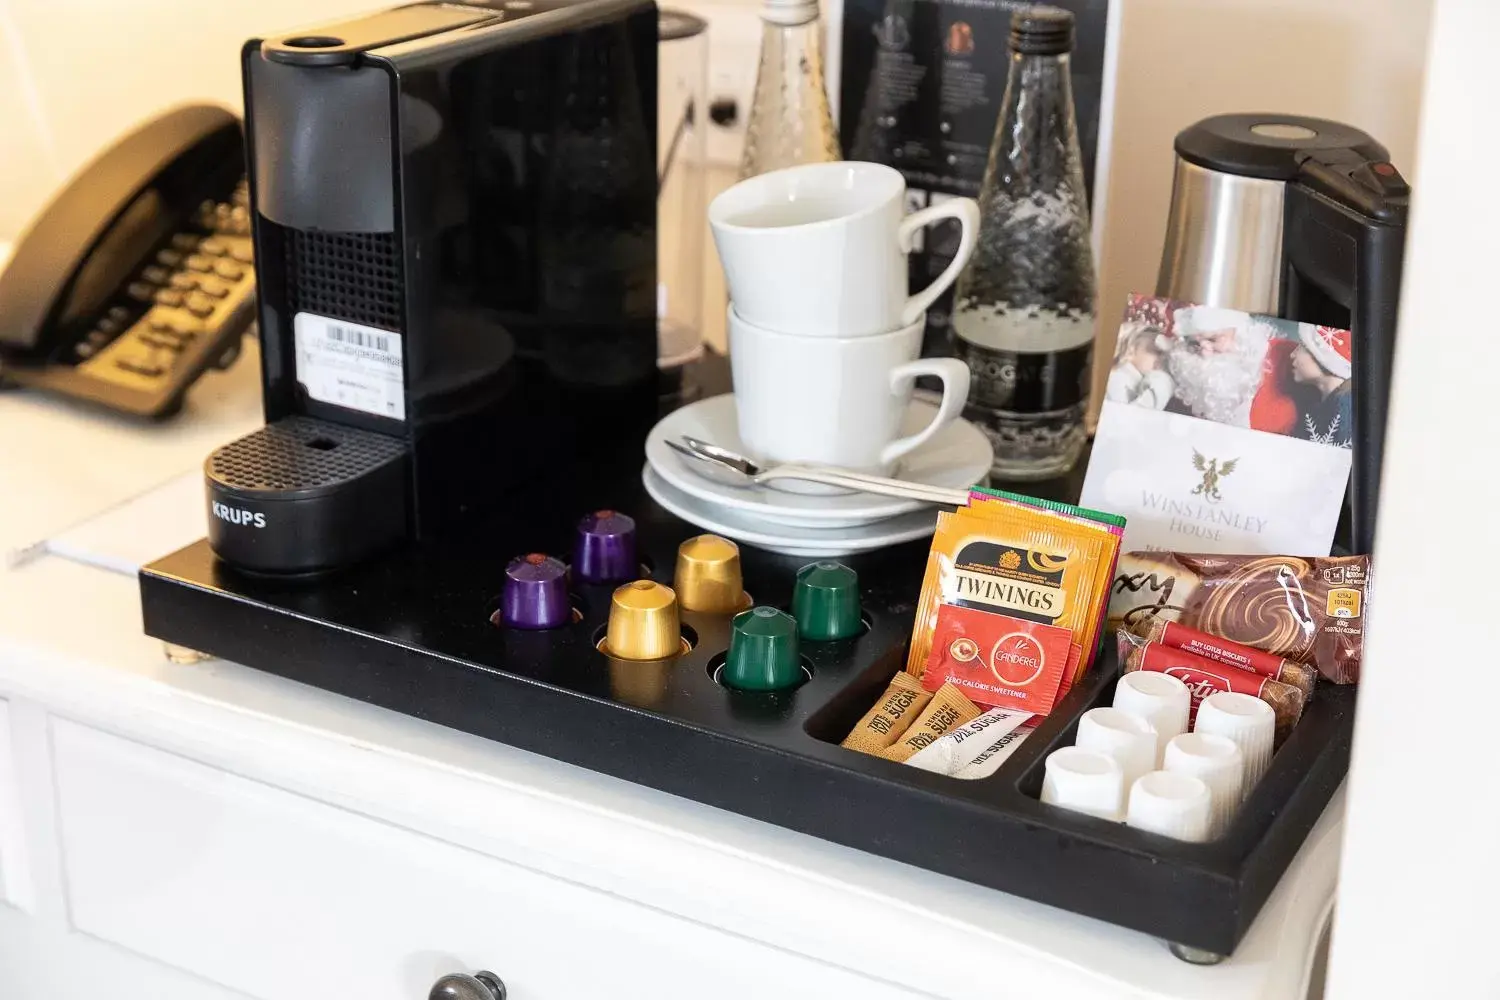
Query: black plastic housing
305,496
481,183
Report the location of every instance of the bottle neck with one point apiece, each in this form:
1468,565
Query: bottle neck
1039,74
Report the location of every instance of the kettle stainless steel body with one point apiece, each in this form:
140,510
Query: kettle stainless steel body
1305,219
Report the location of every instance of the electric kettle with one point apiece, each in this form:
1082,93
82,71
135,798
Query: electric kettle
1305,219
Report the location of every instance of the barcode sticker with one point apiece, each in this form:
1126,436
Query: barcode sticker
350,365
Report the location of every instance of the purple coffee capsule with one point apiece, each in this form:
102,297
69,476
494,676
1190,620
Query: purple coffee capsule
536,593
605,550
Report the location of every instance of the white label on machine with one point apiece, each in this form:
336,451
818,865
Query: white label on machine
351,365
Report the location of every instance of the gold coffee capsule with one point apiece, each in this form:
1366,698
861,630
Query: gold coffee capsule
708,578
643,622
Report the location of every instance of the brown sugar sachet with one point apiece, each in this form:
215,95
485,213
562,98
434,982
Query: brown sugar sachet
891,716
1235,654
947,709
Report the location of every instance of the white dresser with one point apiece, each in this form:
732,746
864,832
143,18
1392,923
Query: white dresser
205,831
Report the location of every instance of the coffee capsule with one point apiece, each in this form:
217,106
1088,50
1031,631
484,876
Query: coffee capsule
763,652
707,577
536,593
825,602
643,622
604,551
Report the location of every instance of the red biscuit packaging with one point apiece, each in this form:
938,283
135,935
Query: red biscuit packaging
1204,677
1306,610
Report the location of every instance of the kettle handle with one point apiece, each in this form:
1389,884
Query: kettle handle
1345,237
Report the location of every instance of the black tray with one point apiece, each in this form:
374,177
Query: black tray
411,632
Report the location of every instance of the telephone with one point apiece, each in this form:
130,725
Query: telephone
138,276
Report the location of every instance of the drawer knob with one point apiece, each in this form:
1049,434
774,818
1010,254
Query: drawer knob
460,986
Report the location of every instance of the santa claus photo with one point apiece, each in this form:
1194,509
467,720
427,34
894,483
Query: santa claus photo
1233,368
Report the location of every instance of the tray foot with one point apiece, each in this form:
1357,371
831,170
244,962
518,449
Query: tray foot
182,654
1195,956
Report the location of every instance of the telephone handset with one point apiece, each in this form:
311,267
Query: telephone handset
138,276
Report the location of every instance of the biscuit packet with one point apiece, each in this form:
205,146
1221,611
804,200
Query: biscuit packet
1309,610
1012,601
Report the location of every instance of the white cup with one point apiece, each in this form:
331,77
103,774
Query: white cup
1161,699
1127,738
1085,781
1218,763
835,401
820,250
1246,720
1173,805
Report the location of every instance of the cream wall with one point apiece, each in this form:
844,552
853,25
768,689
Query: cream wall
1355,61
76,73
1359,61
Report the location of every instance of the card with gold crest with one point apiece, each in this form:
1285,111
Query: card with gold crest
1223,431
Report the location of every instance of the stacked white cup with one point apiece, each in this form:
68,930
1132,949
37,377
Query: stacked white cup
824,340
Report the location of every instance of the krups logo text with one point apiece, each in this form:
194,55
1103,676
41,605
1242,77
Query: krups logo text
238,515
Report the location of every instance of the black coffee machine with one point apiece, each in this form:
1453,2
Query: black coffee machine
454,213
1306,219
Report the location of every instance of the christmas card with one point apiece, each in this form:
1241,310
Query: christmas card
1223,431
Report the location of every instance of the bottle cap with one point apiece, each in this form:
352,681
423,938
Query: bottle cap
825,601
789,13
762,652
536,593
1173,805
1041,31
1127,738
707,576
643,622
604,551
1085,781
1246,720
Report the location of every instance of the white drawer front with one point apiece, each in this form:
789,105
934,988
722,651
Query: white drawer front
15,882
286,898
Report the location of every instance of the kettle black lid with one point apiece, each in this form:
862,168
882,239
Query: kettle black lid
1268,145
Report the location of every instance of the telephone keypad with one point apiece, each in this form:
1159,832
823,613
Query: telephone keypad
215,288
182,301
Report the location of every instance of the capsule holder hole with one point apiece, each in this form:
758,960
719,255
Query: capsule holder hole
494,616
689,640
716,671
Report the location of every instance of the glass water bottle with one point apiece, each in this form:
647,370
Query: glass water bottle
790,122
1023,315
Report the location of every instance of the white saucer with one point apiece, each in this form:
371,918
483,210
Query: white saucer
958,456
797,541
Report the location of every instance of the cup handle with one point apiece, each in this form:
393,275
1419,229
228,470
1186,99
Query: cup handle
966,211
955,377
